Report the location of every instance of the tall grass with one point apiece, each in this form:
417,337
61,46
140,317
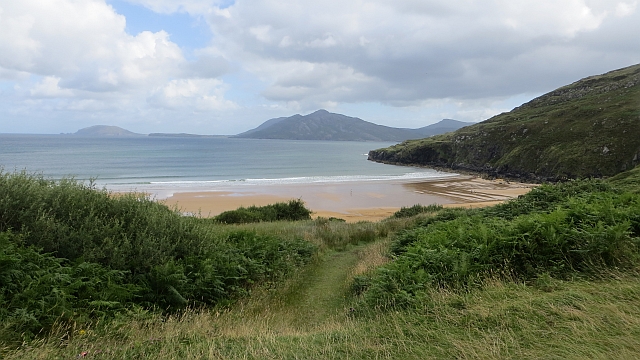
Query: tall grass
504,320
552,274
72,252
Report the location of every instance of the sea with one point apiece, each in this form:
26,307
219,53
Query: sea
163,165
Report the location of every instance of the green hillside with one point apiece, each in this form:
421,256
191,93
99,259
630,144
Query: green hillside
552,274
589,128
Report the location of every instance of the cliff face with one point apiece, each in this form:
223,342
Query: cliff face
590,128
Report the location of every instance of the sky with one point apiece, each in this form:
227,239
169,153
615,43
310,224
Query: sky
226,66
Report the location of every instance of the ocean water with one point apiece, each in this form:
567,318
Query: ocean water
144,163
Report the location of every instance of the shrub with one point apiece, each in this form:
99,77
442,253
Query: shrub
40,289
581,230
70,252
415,210
293,210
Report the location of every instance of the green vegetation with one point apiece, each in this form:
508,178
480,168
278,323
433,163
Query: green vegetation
552,274
293,210
587,129
628,180
71,253
415,210
576,232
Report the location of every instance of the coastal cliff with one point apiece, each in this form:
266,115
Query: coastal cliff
590,128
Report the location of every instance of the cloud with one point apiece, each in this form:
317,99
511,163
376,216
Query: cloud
171,6
403,52
192,94
64,59
68,55
93,52
49,87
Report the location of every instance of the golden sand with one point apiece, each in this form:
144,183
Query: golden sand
354,201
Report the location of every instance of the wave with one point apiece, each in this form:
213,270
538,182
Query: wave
305,179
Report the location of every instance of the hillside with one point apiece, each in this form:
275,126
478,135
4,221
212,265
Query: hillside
441,127
585,129
105,131
420,287
323,125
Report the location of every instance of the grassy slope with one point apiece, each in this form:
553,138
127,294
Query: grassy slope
588,128
562,320
308,316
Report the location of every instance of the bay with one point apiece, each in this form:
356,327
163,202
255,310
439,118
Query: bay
174,162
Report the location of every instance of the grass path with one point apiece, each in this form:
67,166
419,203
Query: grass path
316,299
321,292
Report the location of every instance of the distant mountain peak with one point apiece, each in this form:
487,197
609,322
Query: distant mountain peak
324,125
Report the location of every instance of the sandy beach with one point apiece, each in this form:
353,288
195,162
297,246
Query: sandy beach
352,201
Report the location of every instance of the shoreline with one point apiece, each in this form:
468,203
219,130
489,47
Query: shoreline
352,201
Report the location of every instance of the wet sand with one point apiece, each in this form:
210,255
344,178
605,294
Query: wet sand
352,201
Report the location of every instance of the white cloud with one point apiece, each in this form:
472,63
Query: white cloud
625,9
49,87
171,6
261,33
198,94
413,50
70,55
67,56
83,43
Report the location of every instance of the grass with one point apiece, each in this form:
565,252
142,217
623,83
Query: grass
559,319
320,310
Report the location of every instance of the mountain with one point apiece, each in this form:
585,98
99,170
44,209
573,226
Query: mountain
590,128
323,125
106,131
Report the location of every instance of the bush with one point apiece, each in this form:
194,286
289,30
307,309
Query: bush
415,210
70,252
293,210
580,230
40,289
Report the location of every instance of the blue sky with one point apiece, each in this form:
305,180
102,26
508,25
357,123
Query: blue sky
189,32
223,67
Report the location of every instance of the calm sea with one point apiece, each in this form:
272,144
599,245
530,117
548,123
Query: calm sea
170,163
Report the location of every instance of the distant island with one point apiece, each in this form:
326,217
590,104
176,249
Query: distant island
320,125
106,131
590,128
324,125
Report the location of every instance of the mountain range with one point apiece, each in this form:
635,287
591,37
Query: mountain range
590,128
324,125
320,125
